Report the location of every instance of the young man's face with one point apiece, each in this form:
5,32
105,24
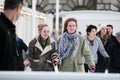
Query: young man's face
92,33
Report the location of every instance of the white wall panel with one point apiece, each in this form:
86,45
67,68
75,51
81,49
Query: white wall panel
1,2
24,25
49,21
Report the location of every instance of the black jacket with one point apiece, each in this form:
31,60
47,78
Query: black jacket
7,44
109,45
115,56
113,49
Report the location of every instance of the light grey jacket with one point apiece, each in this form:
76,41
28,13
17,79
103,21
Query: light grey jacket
97,46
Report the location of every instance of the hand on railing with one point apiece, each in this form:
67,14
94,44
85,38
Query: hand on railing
55,59
92,69
26,62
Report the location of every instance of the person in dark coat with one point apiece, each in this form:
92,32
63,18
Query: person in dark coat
110,43
21,46
115,56
111,39
12,9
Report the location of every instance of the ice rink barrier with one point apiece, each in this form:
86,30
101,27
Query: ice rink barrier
57,76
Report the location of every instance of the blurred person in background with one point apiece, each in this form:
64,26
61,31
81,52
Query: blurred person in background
21,52
55,35
115,56
111,42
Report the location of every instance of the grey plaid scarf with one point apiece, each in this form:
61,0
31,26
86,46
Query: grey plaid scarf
67,43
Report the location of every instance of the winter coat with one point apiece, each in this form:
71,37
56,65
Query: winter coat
40,59
115,56
78,63
7,44
109,45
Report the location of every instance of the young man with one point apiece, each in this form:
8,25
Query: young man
95,45
12,9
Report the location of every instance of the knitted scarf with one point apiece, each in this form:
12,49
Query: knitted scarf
44,43
67,44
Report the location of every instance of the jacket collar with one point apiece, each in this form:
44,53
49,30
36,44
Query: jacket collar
46,49
9,24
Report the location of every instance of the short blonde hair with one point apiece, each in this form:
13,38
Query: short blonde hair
40,27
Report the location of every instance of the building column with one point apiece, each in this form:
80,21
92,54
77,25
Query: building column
33,18
57,15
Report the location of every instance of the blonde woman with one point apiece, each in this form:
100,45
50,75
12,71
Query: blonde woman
41,51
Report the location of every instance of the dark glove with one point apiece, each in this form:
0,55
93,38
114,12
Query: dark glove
55,59
92,69
107,61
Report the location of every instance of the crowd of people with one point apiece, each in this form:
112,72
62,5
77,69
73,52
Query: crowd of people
97,51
